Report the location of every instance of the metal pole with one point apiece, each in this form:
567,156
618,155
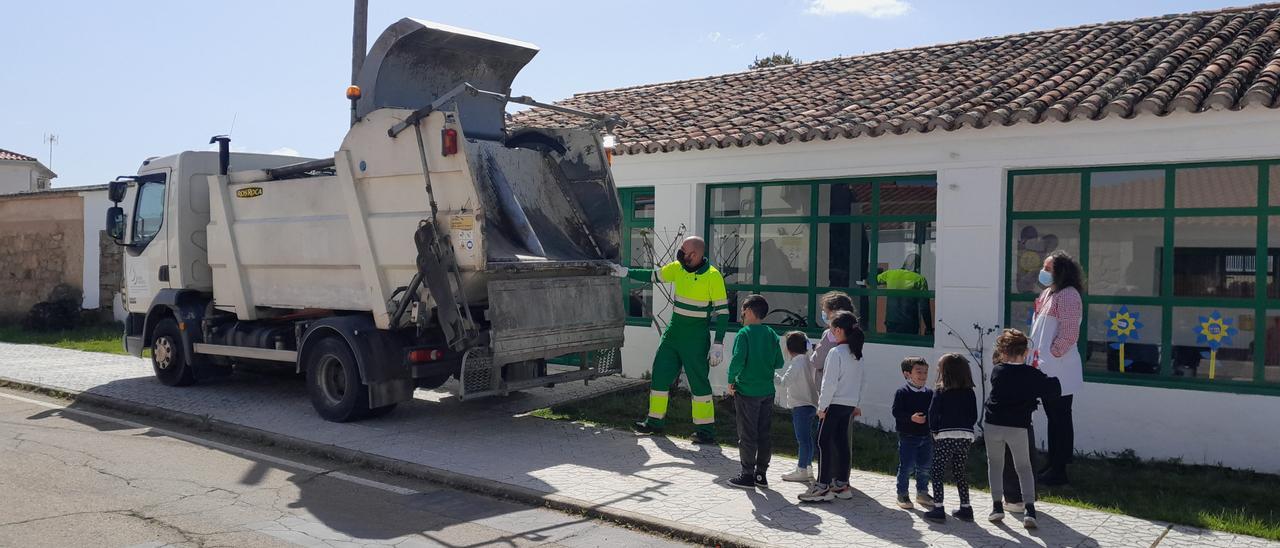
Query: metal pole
359,42
359,45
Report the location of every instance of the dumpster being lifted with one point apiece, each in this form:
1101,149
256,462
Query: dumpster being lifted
437,242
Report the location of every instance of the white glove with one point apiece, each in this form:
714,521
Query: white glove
618,271
716,355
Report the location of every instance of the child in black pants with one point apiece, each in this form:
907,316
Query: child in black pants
952,413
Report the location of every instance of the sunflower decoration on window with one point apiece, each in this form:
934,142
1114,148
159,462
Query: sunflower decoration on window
1124,326
1214,331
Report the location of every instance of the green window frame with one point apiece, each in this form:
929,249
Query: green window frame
631,199
1163,297
866,297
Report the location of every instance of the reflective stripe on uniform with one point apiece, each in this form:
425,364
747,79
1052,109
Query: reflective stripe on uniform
722,302
689,313
694,302
703,410
658,404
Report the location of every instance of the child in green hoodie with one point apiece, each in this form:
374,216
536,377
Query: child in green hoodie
756,354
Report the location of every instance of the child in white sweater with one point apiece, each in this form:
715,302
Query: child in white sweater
800,394
838,401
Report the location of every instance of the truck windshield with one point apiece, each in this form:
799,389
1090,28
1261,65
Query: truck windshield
149,211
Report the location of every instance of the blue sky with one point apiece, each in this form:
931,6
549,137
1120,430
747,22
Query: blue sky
121,81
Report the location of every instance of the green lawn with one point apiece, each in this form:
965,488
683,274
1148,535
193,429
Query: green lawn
94,338
1202,496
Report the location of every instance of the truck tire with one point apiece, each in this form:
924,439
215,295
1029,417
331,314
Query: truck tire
333,381
167,357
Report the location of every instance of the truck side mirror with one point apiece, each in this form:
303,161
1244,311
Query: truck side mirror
116,190
115,223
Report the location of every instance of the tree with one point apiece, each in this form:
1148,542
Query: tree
775,60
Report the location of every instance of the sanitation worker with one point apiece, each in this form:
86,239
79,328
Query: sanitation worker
700,299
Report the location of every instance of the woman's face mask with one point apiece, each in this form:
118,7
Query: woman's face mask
825,320
1046,278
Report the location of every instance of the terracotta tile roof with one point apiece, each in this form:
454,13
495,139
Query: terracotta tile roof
1226,59
8,155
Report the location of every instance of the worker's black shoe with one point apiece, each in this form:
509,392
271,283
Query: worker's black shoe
645,429
703,438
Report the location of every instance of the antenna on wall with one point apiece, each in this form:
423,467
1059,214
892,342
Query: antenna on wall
50,139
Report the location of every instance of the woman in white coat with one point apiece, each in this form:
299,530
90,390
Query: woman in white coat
1055,333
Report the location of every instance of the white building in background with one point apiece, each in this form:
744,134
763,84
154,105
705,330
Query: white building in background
22,173
1148,149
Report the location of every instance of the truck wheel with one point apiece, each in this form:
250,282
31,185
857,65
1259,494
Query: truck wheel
333,380
167,358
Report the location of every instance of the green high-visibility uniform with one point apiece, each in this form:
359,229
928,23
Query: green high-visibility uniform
700,297
903,314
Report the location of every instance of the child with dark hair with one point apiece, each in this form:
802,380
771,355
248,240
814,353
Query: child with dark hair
915,447
832,303
755,357
800,394
838,401
1015,387
952,413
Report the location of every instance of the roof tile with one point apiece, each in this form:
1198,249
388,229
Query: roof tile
1221,60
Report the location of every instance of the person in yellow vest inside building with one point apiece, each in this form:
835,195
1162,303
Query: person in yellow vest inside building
700,300
904,314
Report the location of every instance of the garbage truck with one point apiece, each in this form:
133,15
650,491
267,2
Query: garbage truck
438,242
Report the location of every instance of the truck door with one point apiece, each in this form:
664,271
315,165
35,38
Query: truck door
147,255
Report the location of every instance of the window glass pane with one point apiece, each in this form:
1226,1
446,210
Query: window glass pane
1020,313
1271,366
1132,331
1213,343
642,206
1235,186
640,254
1273,256
904,315
1126,189
1214,256
732,251
1124,256
784,254
906,253
781,200
842,254
844,199
787,310
1046,192
909,197
1273,178
1032,241
149,213
734,201
640,301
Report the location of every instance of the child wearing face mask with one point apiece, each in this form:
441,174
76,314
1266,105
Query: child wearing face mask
831,303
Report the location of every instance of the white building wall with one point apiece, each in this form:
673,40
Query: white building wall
971,167
17,177
95,218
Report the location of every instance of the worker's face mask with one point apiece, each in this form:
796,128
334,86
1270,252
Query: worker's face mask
684,261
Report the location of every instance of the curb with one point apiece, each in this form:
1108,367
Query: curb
446,478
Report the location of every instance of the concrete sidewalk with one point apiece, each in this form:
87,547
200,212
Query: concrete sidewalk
658,482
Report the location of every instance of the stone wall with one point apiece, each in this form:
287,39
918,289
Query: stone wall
41,246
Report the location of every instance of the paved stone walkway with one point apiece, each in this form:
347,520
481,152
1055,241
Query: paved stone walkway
657,477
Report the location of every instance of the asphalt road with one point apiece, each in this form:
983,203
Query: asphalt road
79,476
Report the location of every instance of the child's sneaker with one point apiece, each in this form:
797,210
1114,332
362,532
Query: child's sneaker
965,513
843,492
744,480
1029,518
924,500
817,493
1015,507
761,480
800,475
936,514
997,512
904,502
